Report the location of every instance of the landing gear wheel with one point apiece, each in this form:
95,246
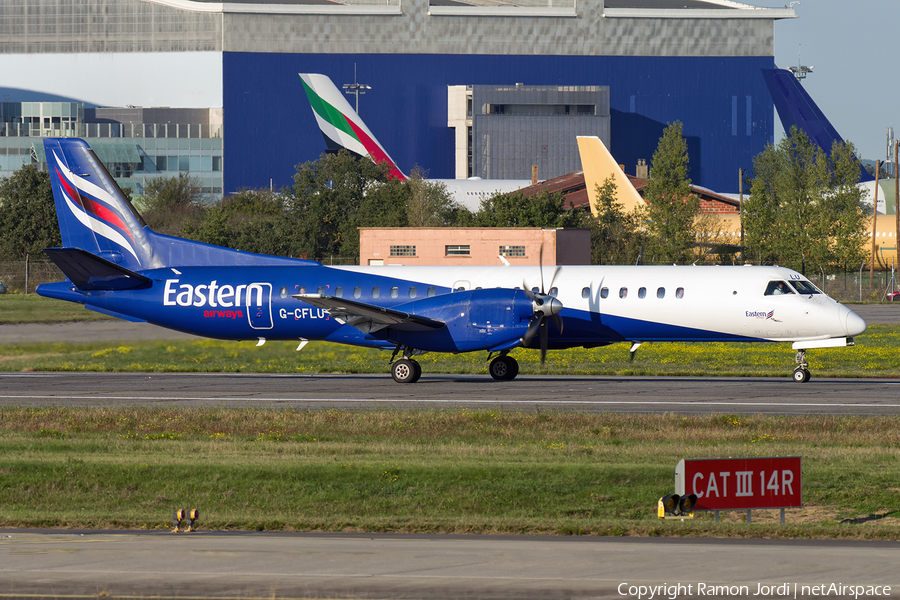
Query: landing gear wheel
406,371
504,368
801,375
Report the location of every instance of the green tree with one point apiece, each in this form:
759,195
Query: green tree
805,207
431,205
28,221
672,208
253,221
518,210
172,205
615,238
337,193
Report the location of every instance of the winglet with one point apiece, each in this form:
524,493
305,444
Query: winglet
598,164
340,125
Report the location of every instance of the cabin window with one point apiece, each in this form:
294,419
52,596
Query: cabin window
604,293
302,289
535,290
661,293
339,292
623,292
376,292
321,290
395,291
283,293
412,292
642,292
679,293
431,291
554,291
586,292
778,288
805,287
357,292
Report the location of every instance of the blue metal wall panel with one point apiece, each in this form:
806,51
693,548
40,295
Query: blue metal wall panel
269,127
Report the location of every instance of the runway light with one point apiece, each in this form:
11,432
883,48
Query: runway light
687,503
195,515
177,518
673,506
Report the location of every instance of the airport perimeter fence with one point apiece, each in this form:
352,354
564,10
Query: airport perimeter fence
22,277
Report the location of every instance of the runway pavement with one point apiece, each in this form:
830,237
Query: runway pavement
273,565
691,395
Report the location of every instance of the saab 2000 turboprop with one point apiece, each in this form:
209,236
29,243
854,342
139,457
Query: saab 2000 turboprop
116,265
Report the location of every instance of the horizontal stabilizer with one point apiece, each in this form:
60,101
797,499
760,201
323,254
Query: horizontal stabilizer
369,318
90,272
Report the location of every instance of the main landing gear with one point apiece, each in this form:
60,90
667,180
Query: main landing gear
801,373
504,368
406,370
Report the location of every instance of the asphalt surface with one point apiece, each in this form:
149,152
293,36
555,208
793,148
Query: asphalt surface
269,565
527,392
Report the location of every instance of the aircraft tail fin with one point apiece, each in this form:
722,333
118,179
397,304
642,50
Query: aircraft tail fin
598,164
796,108
340,125
93,213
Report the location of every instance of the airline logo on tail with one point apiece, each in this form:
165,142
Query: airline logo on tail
340,124
92,206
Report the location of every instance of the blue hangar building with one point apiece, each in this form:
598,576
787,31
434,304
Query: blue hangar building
696,61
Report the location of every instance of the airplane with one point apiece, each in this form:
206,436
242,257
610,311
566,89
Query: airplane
116,265
343,129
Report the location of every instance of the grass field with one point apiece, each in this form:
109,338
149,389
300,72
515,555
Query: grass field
429,471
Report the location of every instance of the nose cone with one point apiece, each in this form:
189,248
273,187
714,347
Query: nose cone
854,324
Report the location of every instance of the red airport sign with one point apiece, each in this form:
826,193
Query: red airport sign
741,483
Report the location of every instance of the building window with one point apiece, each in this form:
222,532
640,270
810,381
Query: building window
457,250
403,250
512,250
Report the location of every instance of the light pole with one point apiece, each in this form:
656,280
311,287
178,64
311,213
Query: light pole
355,88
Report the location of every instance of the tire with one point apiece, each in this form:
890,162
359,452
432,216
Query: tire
404,371
504,368
801,375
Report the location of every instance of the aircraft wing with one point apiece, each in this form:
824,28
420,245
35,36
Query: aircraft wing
369,318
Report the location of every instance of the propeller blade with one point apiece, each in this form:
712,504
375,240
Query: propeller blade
555,273
532,330
557,320
528,291
541,266
544,341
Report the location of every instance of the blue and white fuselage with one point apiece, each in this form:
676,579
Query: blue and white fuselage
116,265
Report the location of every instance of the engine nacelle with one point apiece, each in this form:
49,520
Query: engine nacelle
475,319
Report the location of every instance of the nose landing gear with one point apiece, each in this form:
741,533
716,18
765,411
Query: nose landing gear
801,373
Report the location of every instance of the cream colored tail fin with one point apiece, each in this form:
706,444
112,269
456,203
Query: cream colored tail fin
598,164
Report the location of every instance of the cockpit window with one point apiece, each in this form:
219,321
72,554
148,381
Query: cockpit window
805,287
777,288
